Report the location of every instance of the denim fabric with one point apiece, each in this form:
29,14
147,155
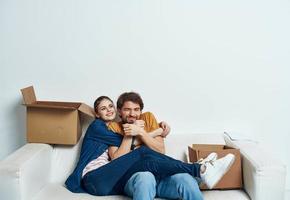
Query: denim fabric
100,181
143,186
179,186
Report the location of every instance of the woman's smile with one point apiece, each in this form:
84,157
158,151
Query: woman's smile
110,113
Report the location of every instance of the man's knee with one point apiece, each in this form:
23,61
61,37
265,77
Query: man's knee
141,185
187,187
179,186
144,179
185,181
182,176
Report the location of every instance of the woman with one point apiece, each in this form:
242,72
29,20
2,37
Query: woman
109,178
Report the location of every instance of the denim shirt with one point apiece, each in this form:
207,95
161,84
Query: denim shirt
96,141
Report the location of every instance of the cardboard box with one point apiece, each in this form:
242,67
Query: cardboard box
53,122
233,178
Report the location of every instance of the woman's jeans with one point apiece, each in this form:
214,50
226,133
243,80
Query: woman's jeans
100,181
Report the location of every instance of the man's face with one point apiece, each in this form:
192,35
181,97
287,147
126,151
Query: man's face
130,112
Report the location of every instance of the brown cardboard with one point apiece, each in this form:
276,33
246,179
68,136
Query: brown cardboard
233,178
53,122
205,147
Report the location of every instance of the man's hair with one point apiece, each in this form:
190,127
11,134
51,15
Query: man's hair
99,100
130,96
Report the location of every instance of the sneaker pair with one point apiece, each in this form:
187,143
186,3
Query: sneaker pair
215,169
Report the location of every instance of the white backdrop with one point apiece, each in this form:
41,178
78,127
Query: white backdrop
203,66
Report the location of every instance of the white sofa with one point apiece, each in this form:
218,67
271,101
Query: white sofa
38,171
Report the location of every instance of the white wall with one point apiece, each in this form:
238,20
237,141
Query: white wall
203,66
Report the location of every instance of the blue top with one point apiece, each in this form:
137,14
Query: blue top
96,141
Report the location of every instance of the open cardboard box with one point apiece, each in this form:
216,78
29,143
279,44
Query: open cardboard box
53,122
233,178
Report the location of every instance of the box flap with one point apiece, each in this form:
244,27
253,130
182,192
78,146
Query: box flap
208,147
60,104
30,101
192,157
28,95
84,108
36,105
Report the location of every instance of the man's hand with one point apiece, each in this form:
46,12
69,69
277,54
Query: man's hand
166,128
132,130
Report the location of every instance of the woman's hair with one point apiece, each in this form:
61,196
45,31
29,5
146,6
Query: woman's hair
99,100
130,96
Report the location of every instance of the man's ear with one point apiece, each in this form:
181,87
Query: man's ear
97,116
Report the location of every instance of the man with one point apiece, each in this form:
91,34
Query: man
142,185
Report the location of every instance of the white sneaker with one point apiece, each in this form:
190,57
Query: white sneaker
210,158
215,170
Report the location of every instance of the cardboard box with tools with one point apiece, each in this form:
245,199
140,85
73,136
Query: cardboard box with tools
53,122
233,178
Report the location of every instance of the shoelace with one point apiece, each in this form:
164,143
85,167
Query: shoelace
203,161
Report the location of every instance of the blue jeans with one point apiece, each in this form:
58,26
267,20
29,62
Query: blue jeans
142,186
111,178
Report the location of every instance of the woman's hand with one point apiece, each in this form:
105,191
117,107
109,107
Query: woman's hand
140,123
166,128
132,130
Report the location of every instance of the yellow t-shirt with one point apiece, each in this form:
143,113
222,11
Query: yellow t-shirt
151,124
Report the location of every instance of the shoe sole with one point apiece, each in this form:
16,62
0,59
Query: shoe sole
217,177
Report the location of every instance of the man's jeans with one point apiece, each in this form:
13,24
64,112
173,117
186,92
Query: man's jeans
142,186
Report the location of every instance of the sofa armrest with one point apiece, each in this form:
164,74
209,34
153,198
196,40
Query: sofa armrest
264,175
25,171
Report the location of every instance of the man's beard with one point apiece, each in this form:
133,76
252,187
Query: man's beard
132,121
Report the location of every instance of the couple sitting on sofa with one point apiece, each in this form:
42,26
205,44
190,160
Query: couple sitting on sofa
128,158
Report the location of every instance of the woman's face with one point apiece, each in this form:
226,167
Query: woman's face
106,110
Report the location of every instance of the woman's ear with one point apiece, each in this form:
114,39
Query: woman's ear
97,116
96,113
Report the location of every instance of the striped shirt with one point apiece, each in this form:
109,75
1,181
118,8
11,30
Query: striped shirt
96,163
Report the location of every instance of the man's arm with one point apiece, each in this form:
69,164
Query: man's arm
162,131
125,147
157,143
150,125
153,134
